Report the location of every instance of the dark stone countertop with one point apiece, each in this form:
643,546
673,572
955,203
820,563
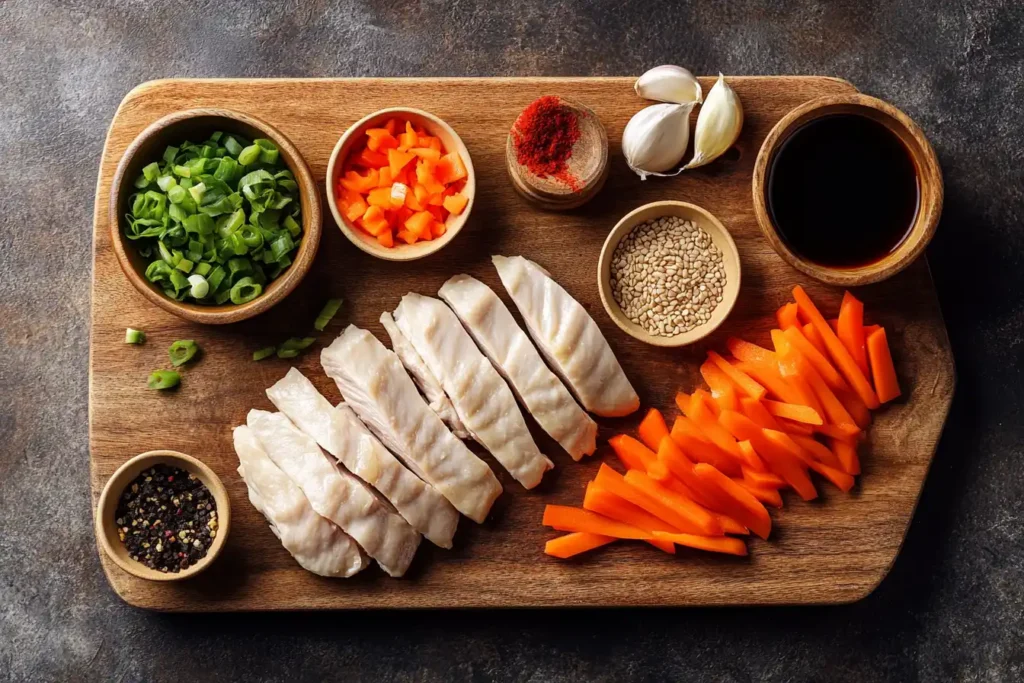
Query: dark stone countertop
951,608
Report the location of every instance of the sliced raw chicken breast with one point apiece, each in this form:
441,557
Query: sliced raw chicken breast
424,378
336,494
568,337
340,433
491,324
317,544
376,386
483,401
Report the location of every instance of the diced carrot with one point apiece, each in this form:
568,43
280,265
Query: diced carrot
406,236
846,452
575,543
374,221
438,229
768,496
787,315
392,126
565,518
816,358
818,450
717,544
745,351
386,239
409,138
380,197
679,511
436,199
692,441
633,454
779,460
354,205
419,224
792,411
370,159
882,369
742,506
765,479
652,429
384,177
426,175
597,499
413,203
450,168
427,140
845,363
811,332
380,139
426,153
850,330
359,183
456,203
740,378
397,160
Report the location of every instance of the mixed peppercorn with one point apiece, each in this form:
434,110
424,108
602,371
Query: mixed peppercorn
167,519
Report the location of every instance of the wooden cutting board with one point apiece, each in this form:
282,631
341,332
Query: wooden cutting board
833,550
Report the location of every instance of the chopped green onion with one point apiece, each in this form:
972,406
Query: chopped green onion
264,353
298,343
182,351
182,171
250,155
164,379
178,280
151,171
200,287
184,265
232,146
203,268
132,336
326,313
287,353
197,192
268,150
245,290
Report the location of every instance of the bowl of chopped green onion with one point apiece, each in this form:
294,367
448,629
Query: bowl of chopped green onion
214,215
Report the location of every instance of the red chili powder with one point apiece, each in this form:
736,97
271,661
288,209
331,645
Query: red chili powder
544,135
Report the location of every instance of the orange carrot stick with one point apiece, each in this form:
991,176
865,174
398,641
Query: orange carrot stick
855,407
882,369
846,432
843,360
633,454
652,429
740,378
612,481
729,525
818,450
850,330
565,518
695,444
746,509
708,424
812,336
847,454
816,358
765,479
792,360
793,411
770,378
752,353
756,411
718,544
766,495
787,315
686,515
676,460
750,456
843,481
575,543
791,427
723,391
611,506
779,460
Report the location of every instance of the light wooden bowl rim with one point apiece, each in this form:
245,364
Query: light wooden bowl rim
929,176
168,127
452,143
718,234
106,529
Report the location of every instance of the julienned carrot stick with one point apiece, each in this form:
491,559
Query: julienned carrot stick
708,424
787,315
756,411
792,411
846,432
791,427
723,391
658,471
882,369
746,509
766,495
834,410
855,407
741,379
843,481
676,460
846,452
790,367
779,460
575,543
768,376
652,429
612,481
565,518
812,335
745,351
765,479
717,544
633,454
611,506
850,330
686,515
843,360
816,358
818,450
696,446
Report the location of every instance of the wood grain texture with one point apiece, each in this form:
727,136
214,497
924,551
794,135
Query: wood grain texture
832,550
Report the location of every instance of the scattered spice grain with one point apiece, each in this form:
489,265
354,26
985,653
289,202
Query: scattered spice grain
667,276
167,519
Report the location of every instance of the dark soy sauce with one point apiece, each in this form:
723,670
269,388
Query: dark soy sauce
842,191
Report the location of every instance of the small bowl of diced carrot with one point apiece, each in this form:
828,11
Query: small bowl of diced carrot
400,184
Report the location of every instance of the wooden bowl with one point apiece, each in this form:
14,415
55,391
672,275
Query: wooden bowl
106,529
588,163
196,125
353,136
719,236
929,177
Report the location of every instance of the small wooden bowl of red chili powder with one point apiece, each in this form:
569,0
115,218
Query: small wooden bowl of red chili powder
557,153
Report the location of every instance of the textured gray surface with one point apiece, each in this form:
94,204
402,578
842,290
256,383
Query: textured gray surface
950,610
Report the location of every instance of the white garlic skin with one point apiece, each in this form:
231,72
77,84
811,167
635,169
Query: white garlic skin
669,83
655,139
718,124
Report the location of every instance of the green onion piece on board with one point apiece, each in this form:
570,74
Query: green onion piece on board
132,336
266,352
182,351
326,313
298,343
164,379
245,290
287,353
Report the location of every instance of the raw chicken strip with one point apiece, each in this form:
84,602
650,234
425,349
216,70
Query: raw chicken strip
423,377
377,388
491,324
340,433
568,337
317,544
336,495
480,396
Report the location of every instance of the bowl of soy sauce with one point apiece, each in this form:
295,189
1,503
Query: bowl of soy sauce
847,189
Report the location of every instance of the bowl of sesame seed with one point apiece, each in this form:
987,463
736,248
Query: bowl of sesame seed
163,516
669,273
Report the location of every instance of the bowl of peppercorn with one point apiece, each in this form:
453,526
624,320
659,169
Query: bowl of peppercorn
163,516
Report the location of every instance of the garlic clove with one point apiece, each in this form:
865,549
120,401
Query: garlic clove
668,83
655,139
718,124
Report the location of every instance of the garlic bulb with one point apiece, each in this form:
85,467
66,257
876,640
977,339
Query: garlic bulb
718,124
668,83
655,139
